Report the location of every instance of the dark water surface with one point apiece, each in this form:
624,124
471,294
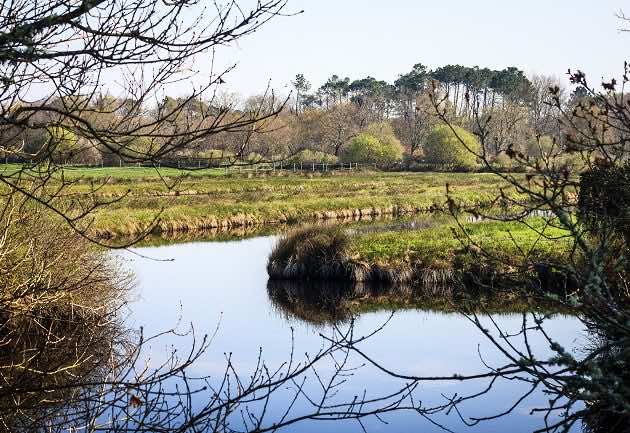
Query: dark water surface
224,283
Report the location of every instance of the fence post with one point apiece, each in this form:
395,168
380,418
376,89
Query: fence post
313,166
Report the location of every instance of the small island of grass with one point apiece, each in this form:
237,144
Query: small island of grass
487,255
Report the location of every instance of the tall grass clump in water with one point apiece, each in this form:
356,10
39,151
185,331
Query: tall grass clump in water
318,253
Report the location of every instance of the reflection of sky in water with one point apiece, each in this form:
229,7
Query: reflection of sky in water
227,282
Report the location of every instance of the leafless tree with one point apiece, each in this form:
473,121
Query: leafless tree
577,184
58,60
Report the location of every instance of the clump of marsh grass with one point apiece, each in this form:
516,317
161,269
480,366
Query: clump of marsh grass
311,253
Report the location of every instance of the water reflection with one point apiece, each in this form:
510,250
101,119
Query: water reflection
332,302
54,366
225,283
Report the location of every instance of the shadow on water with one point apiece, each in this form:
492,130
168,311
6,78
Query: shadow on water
55,368
334,302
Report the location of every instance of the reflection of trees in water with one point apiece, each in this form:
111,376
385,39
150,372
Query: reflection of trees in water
55,365
68,361
85,369
604,411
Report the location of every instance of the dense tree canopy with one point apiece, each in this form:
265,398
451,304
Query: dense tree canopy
320,119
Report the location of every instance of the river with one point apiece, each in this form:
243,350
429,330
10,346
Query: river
220,288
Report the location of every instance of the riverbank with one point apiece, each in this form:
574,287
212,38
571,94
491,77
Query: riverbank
200,203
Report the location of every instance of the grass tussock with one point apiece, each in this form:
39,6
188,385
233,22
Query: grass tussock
311,253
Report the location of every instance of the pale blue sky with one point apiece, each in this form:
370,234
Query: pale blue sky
357,38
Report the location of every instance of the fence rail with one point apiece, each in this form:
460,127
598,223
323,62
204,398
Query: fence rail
199,164
255,167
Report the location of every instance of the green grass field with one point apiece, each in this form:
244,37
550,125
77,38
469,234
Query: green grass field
207,201
439,245
124,173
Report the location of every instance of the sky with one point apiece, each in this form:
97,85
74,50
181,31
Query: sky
383,39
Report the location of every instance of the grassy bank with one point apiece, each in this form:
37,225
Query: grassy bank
428,261
214,201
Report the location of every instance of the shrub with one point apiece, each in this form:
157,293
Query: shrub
253,158
443,147
377,144
63,143
543,146
216,156
503,162
604,197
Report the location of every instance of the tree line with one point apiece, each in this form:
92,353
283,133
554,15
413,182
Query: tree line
364,120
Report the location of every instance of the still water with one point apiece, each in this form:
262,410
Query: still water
222,286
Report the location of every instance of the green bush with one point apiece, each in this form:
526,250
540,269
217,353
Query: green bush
216,156
377,144
443,147
253,158
63,143
543,146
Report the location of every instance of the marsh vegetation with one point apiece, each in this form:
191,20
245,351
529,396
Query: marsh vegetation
483,210
200,202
